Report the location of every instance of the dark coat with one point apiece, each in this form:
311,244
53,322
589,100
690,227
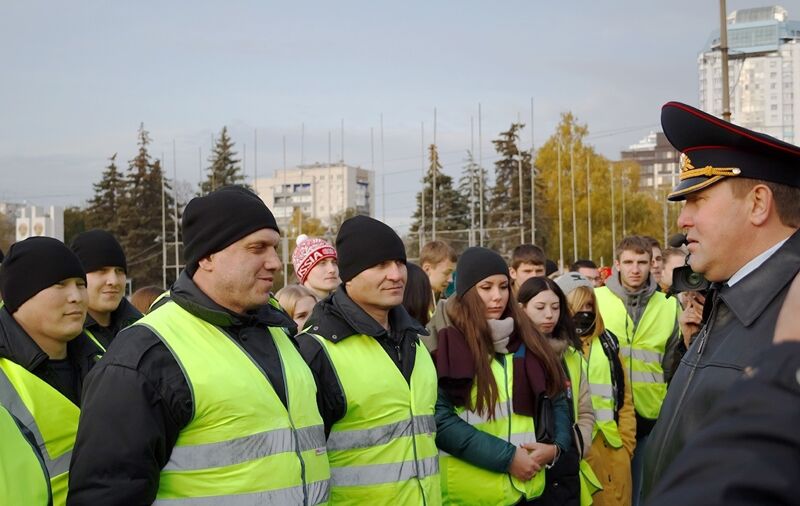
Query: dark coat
336,318
16,345
749,453
738,330
137,401
124,315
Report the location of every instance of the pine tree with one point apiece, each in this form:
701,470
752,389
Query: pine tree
103,209
451,223
473,178
224,168
141,216
504,220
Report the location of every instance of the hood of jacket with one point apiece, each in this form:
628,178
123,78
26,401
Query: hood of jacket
636,301
336,317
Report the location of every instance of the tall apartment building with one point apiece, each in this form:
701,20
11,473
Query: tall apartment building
764,72
658,161
320,190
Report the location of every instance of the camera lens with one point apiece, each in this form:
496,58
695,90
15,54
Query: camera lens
694,280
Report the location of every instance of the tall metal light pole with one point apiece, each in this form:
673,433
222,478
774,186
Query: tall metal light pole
613,211
422,207
521,215
533,182
480,174
589,204
560,214
434,168
572,183
723,48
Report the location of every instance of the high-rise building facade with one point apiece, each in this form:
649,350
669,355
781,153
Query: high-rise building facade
764,72
320,191
658,162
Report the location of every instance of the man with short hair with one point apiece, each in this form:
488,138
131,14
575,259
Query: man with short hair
646,323
44,355
741,217
673,257
106,268
438,260
377,382
527,261
657,260
206,400
588,270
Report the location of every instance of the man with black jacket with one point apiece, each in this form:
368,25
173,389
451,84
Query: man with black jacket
44,356
206,397
376,381
106,269
741,219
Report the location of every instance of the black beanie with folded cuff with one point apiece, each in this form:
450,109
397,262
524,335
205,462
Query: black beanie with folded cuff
97,249
33,265
364,242
215,221
475,264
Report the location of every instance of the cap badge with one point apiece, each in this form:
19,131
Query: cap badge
689,171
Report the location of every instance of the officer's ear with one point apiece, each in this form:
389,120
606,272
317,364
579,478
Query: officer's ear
206,263
761,203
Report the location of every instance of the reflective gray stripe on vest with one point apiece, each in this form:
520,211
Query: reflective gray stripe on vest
244,449
604,415
643,355
647,377
11,400
601,389
522,437
501,410
317,492
376,474
365,438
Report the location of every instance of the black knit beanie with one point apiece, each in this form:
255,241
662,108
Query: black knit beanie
215,221
364,242
97,249
475,264
33,265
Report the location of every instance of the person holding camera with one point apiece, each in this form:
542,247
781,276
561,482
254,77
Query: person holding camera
741,219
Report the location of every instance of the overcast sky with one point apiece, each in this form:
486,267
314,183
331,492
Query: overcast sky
78,77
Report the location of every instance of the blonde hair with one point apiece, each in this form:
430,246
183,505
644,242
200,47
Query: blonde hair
578,298
290,294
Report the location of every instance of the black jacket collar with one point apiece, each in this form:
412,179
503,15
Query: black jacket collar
124,315
188,296
337,317
748,298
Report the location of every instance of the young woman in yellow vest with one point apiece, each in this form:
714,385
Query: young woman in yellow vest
614,432
492,367
572,481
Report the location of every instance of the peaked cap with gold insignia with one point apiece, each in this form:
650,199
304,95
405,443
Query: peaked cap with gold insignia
713,149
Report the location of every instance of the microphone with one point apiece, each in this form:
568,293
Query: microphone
677,240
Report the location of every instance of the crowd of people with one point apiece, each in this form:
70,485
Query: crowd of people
477,378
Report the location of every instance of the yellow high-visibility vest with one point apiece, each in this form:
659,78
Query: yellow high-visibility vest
642,346
242,446
383,450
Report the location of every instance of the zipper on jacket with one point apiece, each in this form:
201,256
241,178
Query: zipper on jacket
700,346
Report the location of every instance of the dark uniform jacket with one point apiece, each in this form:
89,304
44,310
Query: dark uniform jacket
66,376
749,453
738,330
137,401
124,315
337,317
